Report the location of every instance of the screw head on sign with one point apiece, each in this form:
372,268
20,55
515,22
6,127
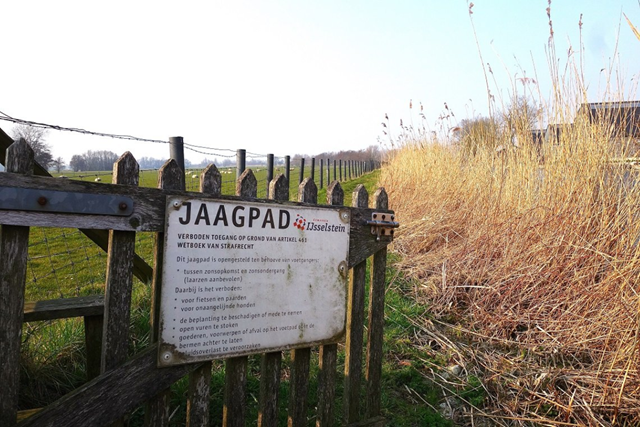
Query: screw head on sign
122,206
177,204
42,200
166,356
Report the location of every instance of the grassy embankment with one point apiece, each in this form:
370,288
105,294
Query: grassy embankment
65,263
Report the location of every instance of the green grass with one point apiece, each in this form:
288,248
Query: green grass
65,263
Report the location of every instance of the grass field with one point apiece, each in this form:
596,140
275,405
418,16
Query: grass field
64,263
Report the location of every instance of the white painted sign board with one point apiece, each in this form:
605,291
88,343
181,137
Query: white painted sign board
242,278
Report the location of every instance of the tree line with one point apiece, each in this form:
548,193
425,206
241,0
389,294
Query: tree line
102,160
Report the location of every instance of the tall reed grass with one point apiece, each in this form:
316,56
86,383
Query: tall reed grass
533,252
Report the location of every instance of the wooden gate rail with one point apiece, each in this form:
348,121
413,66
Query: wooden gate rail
149,210
141,269
123,385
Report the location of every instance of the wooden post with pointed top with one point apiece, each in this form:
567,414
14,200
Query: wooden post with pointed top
329,352
200,379
14,244
235,389
355,327
270,363
119,280
373,370
170,177
307,193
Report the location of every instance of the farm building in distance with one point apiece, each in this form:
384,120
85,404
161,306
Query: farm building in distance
624,116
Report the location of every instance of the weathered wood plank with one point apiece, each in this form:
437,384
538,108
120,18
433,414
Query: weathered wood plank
373,370
156,413
149,212
63,308
198,398
14,244
119,279
235,389
355,327
93,326
326,384
123,389
329,352
271,363
270,367
200,379
300,358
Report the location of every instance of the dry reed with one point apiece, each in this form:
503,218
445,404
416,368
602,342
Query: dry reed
533,250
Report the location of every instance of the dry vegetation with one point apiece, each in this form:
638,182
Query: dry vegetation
529,256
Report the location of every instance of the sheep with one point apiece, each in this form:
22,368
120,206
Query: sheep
98,179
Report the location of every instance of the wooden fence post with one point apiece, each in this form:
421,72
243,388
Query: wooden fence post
119,280
170,177
329,352
270,363
14,244
355,327
373,371
307,193
200,379
235,384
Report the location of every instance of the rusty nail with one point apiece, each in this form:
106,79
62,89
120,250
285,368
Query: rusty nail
122,206
42,200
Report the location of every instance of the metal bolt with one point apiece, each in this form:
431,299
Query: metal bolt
177,204
42,200
122,206
345,216
166,356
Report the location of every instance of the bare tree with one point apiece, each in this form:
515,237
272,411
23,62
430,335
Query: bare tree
59,164
35,137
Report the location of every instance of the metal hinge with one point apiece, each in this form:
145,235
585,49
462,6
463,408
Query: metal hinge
382,224
53,201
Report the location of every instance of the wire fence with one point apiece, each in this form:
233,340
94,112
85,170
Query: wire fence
64,263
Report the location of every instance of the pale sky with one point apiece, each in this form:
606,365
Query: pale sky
286,76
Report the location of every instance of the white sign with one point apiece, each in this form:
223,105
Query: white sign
242,278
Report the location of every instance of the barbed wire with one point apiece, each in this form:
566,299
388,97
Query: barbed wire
8,118
210,153
209,148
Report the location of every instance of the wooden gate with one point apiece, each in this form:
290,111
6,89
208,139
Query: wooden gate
117,386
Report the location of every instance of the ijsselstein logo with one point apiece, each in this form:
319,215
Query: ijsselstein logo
301,224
